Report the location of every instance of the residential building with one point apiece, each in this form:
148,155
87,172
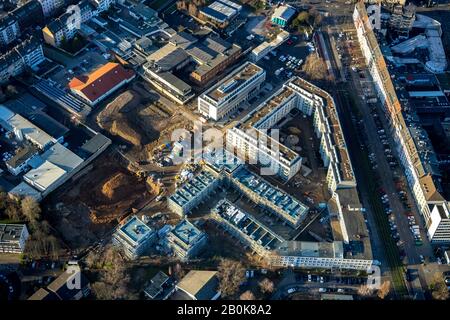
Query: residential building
249,140
286,207
102,5
70,285
192,193
160,287
226,96
29,9
198,285
402,19
9,30
328,255
14,23
185,240
283,15
100,83
424,184
134,236
27,54
246,228
66,26
13,238
50,7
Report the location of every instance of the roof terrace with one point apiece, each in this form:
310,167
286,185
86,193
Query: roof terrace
233,81
290,207
248,225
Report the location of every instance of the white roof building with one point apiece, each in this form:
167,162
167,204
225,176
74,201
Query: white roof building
44,177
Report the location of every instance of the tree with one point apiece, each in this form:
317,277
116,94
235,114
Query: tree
315,68
266,286
247,295
384,289
30,209
439,290
13,211
231,274
364,291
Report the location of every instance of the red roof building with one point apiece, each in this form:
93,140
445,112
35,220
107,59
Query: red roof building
100,83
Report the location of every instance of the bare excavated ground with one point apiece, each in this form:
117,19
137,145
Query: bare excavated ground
84,210
135,118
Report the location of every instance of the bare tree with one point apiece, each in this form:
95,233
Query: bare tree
384,289
13,211
247,295
439,290
30,209
315,68
364,291
231,274
266,286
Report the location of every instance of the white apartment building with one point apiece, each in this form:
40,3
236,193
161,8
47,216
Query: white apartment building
9,30
431,204
134,236
49,7
227,95
13,238
250,141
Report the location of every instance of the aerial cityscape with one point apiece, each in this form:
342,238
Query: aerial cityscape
224,150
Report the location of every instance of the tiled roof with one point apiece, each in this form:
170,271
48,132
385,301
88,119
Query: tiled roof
102,80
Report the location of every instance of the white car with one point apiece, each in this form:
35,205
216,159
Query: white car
291,290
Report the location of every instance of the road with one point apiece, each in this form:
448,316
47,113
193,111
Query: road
386,174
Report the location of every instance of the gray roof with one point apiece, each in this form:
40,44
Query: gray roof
62,157
94,144
22,155
183,39
23,189
10,232
201,284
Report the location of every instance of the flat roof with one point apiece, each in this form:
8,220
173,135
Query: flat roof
135,229
23,189
285,12
286,203
62,157
312,249
22,154
236,79
30,131
10,232
222,159
250,227
201,284
190,189
45,175
188,233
